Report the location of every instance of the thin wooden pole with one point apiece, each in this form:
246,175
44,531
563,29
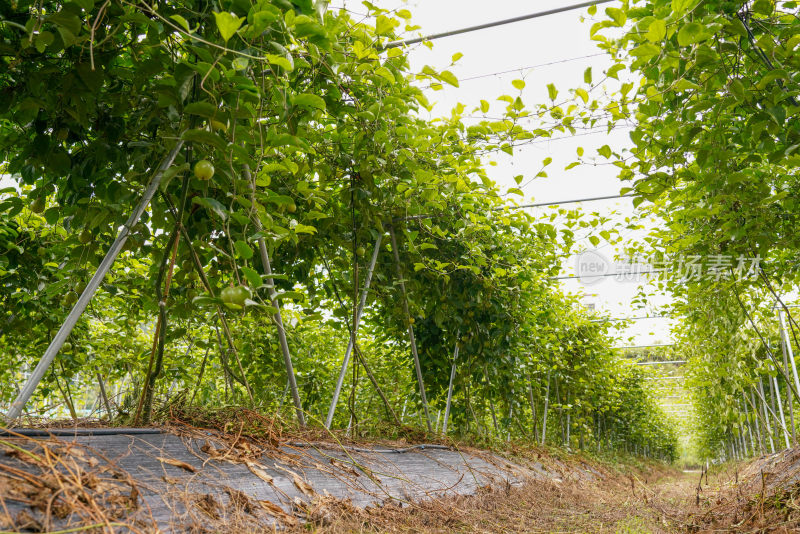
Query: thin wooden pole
103,394
411,338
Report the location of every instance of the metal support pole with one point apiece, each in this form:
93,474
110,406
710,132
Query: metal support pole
347,353
544,415
789,401
410,329
790,356
277,319
747,422
450,388
776,397
765,410
83,301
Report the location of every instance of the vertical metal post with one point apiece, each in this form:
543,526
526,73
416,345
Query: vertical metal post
450,387
411,338
83,301
544,415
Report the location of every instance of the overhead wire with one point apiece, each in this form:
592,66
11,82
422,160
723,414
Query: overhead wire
468,29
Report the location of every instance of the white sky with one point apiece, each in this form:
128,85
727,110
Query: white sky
549,39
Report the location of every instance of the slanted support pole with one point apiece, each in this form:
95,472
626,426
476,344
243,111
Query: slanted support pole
411,338
450,387
83,301
350,344
776,398
277,318
789,355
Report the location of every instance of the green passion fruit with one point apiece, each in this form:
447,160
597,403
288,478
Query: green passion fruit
235,297
204,169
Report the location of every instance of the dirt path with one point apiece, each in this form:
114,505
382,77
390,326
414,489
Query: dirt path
618,504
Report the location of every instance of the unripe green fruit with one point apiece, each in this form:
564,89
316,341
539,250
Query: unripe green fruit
85,237
234,297
203,169
38,205
69,299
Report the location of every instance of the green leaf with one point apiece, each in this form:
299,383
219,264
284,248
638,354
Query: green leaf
66,21
86,5
202,109
692,33
280,61
227,24
657,31
384,25
253,278
518,84
604,151
644,51
449,77
243,249
617,15
681,6
386,74
212,205
587,75
309,101
552,92
771,76
205,137
594,240
684,85
583,94
484,106
304,229
612,72
182,22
